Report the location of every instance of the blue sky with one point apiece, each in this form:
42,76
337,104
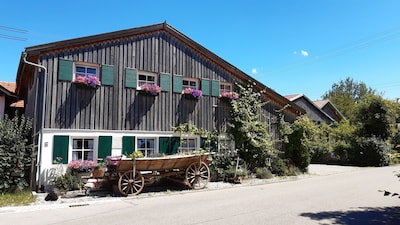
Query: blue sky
292,46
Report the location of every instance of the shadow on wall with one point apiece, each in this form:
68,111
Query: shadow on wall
365,215
77,100
139,109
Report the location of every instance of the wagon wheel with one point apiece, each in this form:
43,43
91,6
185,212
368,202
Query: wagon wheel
130,183
197,175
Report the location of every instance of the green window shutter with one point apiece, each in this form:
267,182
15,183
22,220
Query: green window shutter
177,88
107,75
215,88
130,78
175,143
128,145
60,148
105,146
65,69
205,86
163,144
168,145
165,82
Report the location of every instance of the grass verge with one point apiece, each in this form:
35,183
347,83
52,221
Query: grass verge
16,199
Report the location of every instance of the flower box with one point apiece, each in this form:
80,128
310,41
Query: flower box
91,82
192,93
149,89
229,96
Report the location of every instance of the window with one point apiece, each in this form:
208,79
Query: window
84,69
226,145
188,145
146,78
190,83
225,87
82,149
146,146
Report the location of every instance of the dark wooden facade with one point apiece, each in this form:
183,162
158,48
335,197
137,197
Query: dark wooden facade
117,115
157,48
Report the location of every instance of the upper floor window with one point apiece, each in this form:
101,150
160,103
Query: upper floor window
146,146
225,87
190,83
85,69
146,78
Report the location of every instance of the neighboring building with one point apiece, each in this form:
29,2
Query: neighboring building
8,100
117,118
313,111
329,108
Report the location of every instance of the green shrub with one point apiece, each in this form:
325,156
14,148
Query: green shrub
278,167
372,152
68,182
263,173
15,153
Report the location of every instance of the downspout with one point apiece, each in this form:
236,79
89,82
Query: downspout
39,157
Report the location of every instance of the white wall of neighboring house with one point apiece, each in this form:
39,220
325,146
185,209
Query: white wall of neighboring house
2,106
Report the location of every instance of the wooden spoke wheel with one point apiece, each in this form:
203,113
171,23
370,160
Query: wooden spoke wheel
130,183
197,175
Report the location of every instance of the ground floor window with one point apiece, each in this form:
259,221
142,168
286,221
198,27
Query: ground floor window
147,146
82,149
226,145
188,145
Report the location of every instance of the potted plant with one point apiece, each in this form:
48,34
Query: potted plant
229,95
87,81
192,93
150,89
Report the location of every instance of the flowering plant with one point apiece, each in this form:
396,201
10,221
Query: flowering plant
193,92
229,95
112,160
81,165
152,89
89,81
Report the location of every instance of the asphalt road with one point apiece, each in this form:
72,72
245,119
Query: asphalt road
338,197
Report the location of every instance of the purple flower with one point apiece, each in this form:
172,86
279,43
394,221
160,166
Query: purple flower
194,92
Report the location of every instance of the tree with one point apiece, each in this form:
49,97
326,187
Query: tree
373,117
250,132
346,94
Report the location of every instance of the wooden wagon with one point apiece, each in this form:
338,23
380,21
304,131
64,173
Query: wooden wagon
192,170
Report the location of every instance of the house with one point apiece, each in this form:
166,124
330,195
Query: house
329,108
118,116
8,100
316,112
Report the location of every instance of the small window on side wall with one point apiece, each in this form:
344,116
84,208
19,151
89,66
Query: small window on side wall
190,83
84,69
225,87
146,78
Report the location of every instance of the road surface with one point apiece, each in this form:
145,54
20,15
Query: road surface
348,197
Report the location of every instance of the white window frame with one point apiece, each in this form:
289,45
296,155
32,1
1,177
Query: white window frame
147,151
188,148
192,83
147,81
86,66
225,87
93,149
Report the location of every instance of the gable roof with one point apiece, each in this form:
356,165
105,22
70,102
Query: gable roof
8,88
298,97
34,51
326,104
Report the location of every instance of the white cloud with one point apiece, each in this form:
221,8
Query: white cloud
304,53
254,71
